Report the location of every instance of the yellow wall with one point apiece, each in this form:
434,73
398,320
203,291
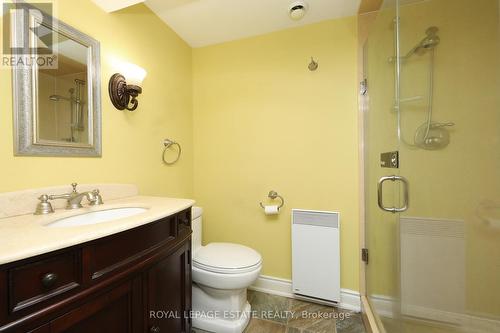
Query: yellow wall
132,141
263,121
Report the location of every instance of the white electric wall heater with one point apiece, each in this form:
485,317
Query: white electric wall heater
316,254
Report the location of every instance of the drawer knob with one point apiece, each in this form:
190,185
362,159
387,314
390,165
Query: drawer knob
154,329
49,280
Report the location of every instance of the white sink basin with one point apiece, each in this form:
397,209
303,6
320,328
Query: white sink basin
97,217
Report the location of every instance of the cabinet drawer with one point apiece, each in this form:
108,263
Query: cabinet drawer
42,280
184,221
126,248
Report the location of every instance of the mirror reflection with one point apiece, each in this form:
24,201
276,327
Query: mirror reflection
63,109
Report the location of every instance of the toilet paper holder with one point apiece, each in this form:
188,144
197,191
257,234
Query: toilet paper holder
273,195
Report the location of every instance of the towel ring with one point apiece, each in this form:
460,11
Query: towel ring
273,195
169,143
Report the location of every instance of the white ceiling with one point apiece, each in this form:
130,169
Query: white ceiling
206,22
114,5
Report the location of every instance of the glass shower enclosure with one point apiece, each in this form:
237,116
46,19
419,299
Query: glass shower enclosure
432,166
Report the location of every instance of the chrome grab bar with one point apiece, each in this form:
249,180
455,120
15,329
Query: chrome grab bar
380,196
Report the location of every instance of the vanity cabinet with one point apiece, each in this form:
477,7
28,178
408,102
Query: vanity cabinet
171,313
138,280
112,311
43,329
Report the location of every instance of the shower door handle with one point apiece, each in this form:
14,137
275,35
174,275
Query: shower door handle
380,195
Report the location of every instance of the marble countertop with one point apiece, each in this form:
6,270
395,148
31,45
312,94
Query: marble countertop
25,236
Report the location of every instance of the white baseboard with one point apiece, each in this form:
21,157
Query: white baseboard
385,307
349,299
432,314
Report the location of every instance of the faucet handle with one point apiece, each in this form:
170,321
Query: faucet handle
43,198
97,199
44,206
74,185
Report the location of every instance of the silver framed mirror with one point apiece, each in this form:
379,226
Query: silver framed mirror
57,101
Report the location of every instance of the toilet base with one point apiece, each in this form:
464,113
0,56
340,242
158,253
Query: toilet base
220,325
220,311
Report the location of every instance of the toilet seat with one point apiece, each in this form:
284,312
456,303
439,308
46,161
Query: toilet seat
227,258
226,270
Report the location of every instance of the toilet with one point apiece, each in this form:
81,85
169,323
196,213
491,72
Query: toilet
222,272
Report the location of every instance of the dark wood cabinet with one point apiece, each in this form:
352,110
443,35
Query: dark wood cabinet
111,311
42,329
165,312
135,281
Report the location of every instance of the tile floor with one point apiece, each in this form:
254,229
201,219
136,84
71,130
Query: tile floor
275,314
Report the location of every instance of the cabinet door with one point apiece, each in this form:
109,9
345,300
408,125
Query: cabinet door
115,311
169,293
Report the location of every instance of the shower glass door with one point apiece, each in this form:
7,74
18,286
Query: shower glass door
434,95
381,136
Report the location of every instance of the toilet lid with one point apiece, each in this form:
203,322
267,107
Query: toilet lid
226,256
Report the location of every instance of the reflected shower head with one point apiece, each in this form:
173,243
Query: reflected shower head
57,98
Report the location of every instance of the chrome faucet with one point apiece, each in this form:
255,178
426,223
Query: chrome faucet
73,200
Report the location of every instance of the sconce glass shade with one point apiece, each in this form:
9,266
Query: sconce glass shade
133,74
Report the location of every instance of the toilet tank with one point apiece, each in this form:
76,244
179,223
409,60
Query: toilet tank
196,224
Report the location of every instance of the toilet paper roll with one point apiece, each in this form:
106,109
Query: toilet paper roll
271,209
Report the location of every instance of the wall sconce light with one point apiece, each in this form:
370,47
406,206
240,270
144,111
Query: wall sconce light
124,93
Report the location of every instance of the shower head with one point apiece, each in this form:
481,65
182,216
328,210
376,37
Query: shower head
57,98
431,31
428,43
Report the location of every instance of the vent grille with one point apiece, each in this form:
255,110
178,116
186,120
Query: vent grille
432,227
316,218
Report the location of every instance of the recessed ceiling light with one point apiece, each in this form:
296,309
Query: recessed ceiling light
297,10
